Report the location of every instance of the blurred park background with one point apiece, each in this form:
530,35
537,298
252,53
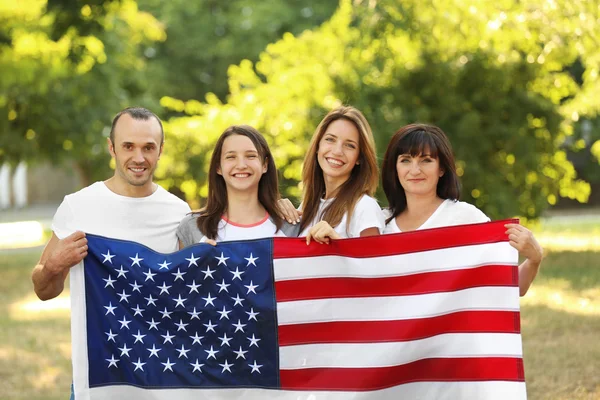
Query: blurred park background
514,83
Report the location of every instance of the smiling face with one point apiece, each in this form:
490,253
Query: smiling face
419,174
136,149
241,166
338,151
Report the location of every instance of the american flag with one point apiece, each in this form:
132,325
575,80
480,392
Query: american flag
430,314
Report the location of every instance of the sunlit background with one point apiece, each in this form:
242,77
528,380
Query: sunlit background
514,83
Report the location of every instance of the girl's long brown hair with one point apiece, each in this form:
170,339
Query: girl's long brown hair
216,203
363,178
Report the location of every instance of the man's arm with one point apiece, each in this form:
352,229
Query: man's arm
58,257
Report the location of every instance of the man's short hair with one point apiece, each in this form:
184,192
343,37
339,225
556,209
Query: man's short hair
140,114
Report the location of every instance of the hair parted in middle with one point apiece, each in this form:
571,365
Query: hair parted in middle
268,186
418,139
363,178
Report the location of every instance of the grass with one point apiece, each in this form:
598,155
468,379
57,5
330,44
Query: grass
560,327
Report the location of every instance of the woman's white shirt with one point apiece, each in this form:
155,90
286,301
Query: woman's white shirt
367,214
448,213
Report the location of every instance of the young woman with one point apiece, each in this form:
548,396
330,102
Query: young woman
422,187
242,192
340,176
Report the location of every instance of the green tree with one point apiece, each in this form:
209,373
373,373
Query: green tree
496,77
57,95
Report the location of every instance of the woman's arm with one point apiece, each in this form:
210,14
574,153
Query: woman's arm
523,240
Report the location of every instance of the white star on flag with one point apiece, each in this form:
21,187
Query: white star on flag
123,296
168,338
181,326
252,314
224,313
110,309
222,260
178,275
240,353
135,287
164,288
255,367
135,260
226,366
164,265
253,341
111,336
237,274
192,260
139,337
251,260
137,310
223,286
124,323
208,272
197,366
107,257
166,314
251,288
124,350
122,273
153,324
151,300
197,339
112,361
193,287
225,340
139,365
210,326
182,352
239,326
209,300
149,275
238,300
179,301
153,351
211,353
195,314
168,365
109,282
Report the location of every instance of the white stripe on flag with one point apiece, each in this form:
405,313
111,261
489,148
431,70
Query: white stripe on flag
364,355
396,265
397,307
495,390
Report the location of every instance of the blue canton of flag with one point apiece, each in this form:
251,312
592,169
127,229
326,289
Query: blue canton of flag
201,317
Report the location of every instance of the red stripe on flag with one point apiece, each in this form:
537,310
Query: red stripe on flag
427,370
399,243
399,330
415,284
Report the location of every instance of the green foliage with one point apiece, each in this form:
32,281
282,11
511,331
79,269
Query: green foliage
496,77
205,37
56,97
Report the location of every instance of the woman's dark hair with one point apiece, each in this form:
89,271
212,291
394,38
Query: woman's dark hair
417,139
268,187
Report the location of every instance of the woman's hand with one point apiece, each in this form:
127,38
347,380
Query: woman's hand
321,233
523,240
288,211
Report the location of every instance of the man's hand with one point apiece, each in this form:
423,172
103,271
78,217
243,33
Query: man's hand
67,253
58,257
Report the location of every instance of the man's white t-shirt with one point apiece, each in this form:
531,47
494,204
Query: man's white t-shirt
189,233
150,220
448,213
367,214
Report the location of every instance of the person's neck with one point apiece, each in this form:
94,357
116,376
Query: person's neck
422,205
244,208
332,186
122,188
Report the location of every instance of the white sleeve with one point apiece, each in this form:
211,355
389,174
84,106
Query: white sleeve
62,223
469,214
367,214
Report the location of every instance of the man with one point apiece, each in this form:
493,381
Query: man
127,206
